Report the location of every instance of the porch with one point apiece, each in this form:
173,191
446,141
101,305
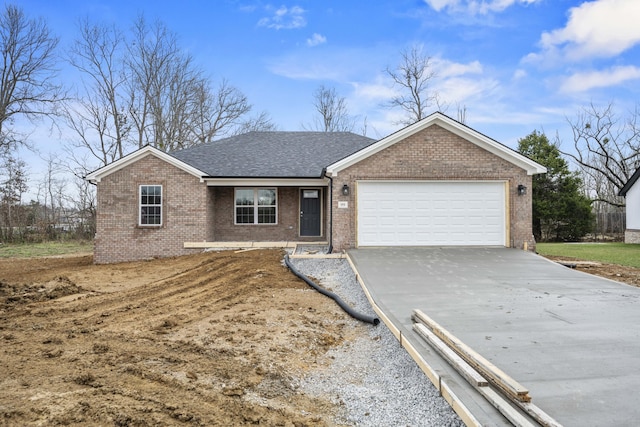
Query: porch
265,216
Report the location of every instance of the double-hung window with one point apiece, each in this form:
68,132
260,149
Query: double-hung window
150,209
256,206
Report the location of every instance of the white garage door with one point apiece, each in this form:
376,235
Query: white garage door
426,213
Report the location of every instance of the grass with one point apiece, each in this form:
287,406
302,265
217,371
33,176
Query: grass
609,253
32,250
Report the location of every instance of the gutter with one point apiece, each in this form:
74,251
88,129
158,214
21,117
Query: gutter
260,177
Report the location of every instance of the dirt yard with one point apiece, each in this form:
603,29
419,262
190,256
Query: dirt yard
208,339
618,273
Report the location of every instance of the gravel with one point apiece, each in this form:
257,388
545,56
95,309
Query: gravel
372,378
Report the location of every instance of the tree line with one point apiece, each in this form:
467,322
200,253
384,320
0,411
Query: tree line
138,87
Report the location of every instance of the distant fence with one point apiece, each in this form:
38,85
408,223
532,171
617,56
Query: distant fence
610,224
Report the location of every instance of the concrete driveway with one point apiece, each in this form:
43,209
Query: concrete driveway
572,339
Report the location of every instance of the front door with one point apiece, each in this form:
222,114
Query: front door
310,213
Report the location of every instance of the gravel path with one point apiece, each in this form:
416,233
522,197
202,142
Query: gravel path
372,378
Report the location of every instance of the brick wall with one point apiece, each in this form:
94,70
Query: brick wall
287,228
632,236
433,154
185,208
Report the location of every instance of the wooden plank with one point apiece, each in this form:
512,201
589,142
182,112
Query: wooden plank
458,407
433,376
240,245
477,381
245,250
456,403
495,375
504,406
471,375
317,256
538,414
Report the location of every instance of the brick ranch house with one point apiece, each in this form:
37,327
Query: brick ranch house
436,182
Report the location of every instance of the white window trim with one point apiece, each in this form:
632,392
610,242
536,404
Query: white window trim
255,206
140,205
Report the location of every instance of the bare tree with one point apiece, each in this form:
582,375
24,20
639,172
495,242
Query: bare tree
27,86
217,112
13,184
98,112
161,80
413,76
144,90
53,196
259,123
83,203
462,114
172,104
333,114
607,149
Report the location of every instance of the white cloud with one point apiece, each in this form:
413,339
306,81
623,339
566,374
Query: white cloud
341,65
519,74
457,82
305,70
450,82
438,5
247,8
447,68
316,39
479,7
284,18
378,90
466,90
601,28
582,82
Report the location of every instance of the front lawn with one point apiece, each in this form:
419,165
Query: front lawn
609,253
30,250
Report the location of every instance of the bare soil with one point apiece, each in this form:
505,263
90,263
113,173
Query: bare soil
209,339
619,273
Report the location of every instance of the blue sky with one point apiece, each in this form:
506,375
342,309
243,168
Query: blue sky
516,65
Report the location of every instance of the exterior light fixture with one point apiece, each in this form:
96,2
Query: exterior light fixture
522,190
345,190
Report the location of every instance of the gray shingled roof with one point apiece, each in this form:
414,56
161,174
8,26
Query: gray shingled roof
273,154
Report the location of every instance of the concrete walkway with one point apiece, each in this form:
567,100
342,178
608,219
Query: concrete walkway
572,339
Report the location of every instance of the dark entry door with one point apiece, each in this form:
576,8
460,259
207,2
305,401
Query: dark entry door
310,212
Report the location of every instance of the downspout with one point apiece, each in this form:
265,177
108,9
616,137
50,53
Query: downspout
330,250
351,312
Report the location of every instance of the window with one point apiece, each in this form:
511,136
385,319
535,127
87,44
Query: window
256,206
150,205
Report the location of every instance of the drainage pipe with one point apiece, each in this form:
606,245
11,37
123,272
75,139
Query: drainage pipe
359,316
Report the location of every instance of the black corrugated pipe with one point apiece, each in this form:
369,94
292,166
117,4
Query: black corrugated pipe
363,317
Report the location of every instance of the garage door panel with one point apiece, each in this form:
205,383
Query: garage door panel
430,213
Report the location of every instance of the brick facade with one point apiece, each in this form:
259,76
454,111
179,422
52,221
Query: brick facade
433,154
185,204
286,230
192,212
195,212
